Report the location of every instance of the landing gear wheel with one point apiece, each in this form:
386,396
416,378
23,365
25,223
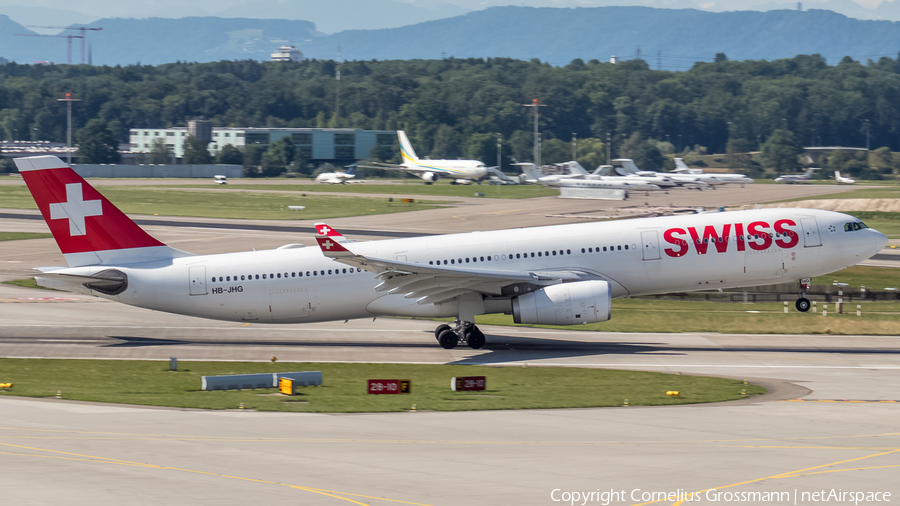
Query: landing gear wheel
448,339
441,328
802,304
475,338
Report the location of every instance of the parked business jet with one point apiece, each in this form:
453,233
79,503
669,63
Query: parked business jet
841,179
662,180
713,179
627,167
557,275
573,175
462,171
797,178
337,177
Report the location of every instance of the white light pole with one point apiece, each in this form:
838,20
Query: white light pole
68,100
498,153
537,150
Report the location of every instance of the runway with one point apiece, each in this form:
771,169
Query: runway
841,434
101,454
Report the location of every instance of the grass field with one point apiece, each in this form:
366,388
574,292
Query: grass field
440,189
16,236
646,315
344,386
891,191
168,201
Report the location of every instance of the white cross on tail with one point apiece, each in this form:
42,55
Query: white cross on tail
76,209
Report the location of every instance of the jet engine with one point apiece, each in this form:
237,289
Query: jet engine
429,177
565,304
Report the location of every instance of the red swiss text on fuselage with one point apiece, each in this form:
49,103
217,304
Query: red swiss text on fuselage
760,236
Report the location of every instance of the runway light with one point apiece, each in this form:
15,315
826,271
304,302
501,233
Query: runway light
6,385
59,394
743,391
673,393
626,402
413,407
273,359
241,406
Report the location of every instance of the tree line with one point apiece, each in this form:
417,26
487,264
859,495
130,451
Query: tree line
459,107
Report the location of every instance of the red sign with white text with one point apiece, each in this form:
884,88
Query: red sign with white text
389,386
468,383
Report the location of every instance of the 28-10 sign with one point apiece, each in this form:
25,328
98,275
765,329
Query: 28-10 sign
468,383
389,386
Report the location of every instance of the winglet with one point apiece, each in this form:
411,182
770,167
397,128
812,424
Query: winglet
331,248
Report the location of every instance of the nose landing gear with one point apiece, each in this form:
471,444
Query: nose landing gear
463,332
802,303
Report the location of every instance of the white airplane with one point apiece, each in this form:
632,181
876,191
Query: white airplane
841,179
337,177
576,177
713,179
557,275
567,170
661,180
797,178
626,167
462,171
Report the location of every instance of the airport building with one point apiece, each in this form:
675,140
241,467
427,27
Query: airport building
340,145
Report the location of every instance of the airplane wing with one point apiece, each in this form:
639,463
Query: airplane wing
432,284
391,166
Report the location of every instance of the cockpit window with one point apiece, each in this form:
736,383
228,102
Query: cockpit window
854,225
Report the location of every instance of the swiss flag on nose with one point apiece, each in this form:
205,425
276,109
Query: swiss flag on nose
80,218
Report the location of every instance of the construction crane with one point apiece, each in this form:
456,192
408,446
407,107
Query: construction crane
82,36
70,37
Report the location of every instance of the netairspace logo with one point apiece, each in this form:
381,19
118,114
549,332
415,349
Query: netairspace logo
714,496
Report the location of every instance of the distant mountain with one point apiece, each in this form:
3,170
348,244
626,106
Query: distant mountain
157,40
671,38
337,15
680,37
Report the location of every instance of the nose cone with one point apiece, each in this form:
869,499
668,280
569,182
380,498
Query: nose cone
880,239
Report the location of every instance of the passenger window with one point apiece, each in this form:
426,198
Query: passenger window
279,275
220,278
482,258
604,248
532,254
467,259
242,277
214,279
345,271
452,261
626,246
620,248
582,250
568,252
322,272
264,276
554,252
257,276
329,272
539,253
314,274
518,256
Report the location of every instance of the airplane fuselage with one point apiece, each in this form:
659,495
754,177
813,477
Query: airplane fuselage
636,257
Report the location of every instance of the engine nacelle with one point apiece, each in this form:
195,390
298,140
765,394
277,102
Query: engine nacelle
429,177
565,304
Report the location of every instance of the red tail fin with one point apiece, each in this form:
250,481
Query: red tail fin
87,227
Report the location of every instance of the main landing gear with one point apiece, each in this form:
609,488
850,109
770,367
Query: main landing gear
462,332
802,303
